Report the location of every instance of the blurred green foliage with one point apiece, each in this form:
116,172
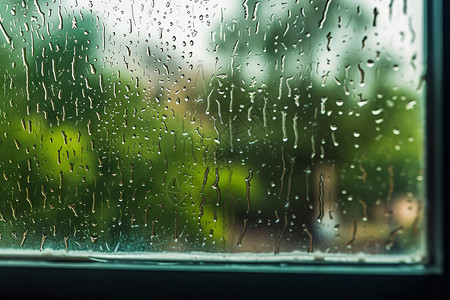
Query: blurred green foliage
88,151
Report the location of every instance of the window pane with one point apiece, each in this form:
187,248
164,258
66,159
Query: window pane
291,130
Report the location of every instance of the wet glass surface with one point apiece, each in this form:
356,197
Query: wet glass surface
258,129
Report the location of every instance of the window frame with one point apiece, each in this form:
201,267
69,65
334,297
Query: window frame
202,279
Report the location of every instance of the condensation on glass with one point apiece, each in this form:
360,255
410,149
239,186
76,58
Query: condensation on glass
252,130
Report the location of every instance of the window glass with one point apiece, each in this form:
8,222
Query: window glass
255,130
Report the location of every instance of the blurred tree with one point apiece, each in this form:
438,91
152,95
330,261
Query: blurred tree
301,107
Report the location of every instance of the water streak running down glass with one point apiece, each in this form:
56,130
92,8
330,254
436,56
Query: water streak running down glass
215,130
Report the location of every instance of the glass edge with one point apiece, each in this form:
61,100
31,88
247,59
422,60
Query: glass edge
434,54
350,269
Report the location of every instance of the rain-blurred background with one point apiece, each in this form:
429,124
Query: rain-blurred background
278,128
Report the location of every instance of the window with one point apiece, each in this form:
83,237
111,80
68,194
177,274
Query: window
256,131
